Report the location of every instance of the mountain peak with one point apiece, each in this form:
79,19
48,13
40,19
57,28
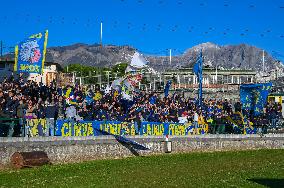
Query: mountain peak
204,46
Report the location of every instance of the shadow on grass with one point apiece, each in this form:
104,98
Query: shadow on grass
269,182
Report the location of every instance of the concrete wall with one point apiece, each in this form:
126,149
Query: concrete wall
75,149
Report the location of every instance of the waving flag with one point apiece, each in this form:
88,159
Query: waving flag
89,99
117,84
98,96
254,97
137,62
197,69
30,54
167,88
134,79
133,71
69,97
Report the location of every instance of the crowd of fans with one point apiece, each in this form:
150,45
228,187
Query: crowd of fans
29,100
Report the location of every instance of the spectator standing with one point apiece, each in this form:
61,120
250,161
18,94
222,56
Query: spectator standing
195,121
238,107
71,113
61,108
21,110
10,104
273,115
50,117
30,114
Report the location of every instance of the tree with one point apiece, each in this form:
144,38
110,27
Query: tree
82,70
119,69
90,72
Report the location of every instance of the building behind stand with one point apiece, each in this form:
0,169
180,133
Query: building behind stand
51,72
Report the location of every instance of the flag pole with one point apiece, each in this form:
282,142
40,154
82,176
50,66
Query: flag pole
197,69
200,79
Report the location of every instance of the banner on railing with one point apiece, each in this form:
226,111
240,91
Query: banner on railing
36,127
159,129
93,128
118,128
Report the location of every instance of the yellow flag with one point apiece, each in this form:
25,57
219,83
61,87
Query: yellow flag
115,94
97,96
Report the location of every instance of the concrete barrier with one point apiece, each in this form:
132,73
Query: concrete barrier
75,149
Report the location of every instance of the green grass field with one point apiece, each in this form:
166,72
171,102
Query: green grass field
220,169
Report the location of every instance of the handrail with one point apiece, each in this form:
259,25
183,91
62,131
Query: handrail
9,119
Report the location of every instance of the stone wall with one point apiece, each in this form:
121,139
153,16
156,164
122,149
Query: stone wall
75,149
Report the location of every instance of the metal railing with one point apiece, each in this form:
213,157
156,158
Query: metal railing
13,127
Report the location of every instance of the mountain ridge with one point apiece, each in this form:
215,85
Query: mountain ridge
240,56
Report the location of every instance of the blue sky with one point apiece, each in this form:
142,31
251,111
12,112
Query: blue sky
152,26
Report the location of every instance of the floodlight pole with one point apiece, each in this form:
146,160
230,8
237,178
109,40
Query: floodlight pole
170,56
263,69
101,34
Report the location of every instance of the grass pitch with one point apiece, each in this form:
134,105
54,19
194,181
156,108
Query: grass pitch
261,168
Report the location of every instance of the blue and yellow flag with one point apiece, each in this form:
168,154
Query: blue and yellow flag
167,88
30,54
69,97
254,97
